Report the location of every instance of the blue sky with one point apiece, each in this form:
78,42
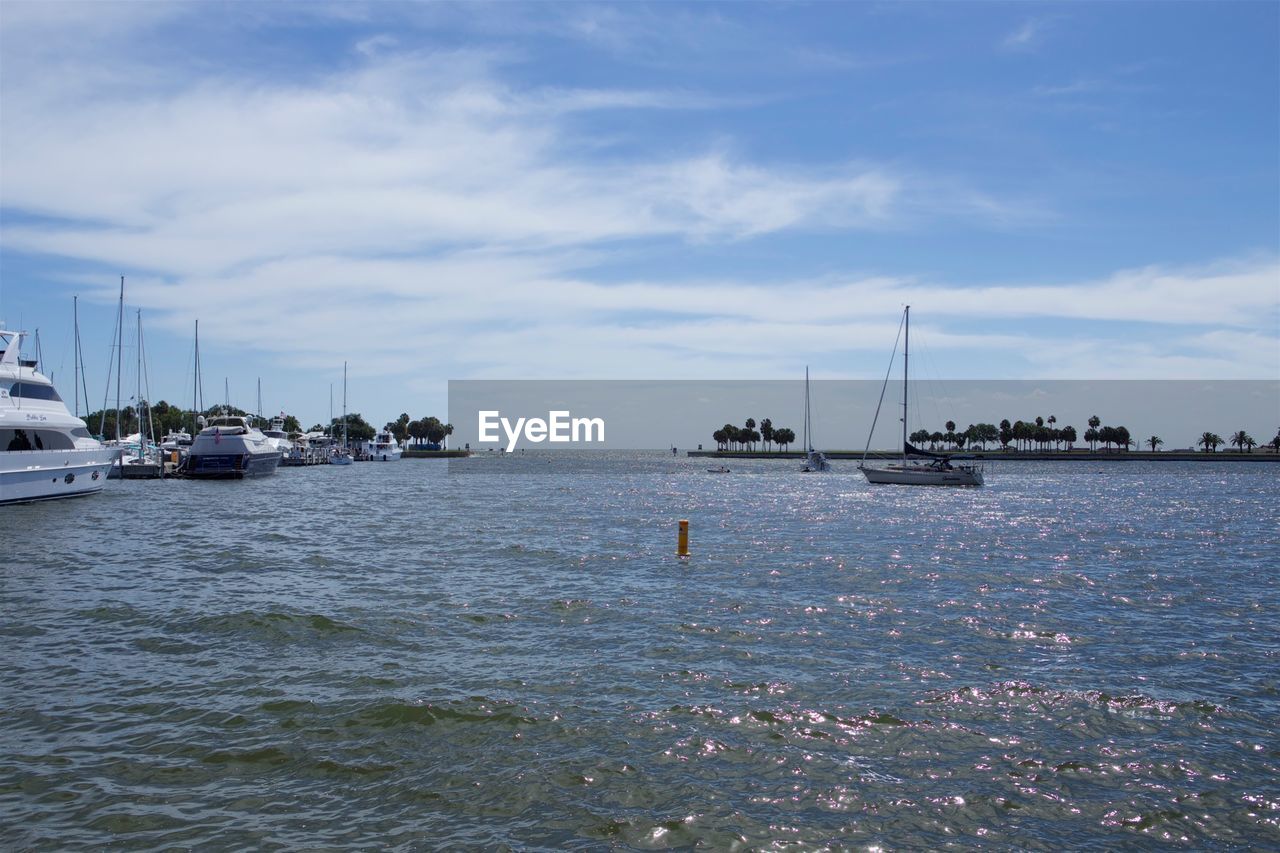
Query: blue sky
728,190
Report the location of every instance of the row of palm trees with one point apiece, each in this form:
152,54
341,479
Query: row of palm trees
1039,434
1240,440
730,437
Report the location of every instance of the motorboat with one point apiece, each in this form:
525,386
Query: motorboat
277,435
384,447
230,447
45,452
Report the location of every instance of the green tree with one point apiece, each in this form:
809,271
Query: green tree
1154,442
400,428
1209,441
1275,442
1242,439
766,432
1091,435
784,437
1069,435
1006,433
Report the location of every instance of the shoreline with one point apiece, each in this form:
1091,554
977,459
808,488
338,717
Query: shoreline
434,454
1012,456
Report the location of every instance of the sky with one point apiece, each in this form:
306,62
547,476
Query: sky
434,191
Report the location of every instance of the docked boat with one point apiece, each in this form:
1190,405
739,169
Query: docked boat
279,437
383,448
917,467
45,451
230,447
342,453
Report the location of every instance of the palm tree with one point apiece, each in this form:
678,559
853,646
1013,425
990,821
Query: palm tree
1209,441
766,432
1242,438
1275,442
1155,441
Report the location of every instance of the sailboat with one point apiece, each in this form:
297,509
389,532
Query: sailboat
813,460
342,456
938,469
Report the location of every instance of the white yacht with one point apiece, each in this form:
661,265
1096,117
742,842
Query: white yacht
383,448
229,447
45,451
278,436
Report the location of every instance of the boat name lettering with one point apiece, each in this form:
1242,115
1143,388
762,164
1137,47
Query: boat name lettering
559,427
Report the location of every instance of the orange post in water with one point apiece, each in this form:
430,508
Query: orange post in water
682,541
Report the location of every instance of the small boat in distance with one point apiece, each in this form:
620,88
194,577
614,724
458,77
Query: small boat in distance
813,459
342,453
384,447
938,470
718,470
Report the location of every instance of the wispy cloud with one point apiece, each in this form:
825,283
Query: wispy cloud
427,209
1027,36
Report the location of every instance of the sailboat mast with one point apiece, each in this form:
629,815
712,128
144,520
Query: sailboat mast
142,443
195,386
119,353
906,347
344,405
808,444
75,358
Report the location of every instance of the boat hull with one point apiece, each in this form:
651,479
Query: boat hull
43,475
923,476
231,466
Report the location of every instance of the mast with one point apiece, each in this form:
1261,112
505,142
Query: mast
75,358
119,353
141,440
344,405
808,445
195,386
259,398
906,347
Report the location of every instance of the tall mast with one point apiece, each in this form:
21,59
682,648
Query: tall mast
344,405
906,347
75,358
119,353
141,440
259,398
808,442
195,386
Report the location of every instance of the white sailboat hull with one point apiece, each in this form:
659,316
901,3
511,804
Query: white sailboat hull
923,476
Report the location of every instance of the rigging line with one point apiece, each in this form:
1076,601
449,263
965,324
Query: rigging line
887,373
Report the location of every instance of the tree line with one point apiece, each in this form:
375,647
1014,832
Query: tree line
730,437
1038,433
429,430
165,418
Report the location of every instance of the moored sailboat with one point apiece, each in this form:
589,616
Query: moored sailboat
938,470
814,460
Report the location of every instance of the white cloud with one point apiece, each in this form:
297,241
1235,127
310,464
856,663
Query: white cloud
1026,36
420,208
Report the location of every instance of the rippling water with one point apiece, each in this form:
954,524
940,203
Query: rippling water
507,652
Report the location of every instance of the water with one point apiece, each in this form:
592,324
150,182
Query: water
390,655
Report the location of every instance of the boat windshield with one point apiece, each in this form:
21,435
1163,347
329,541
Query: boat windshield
30,391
